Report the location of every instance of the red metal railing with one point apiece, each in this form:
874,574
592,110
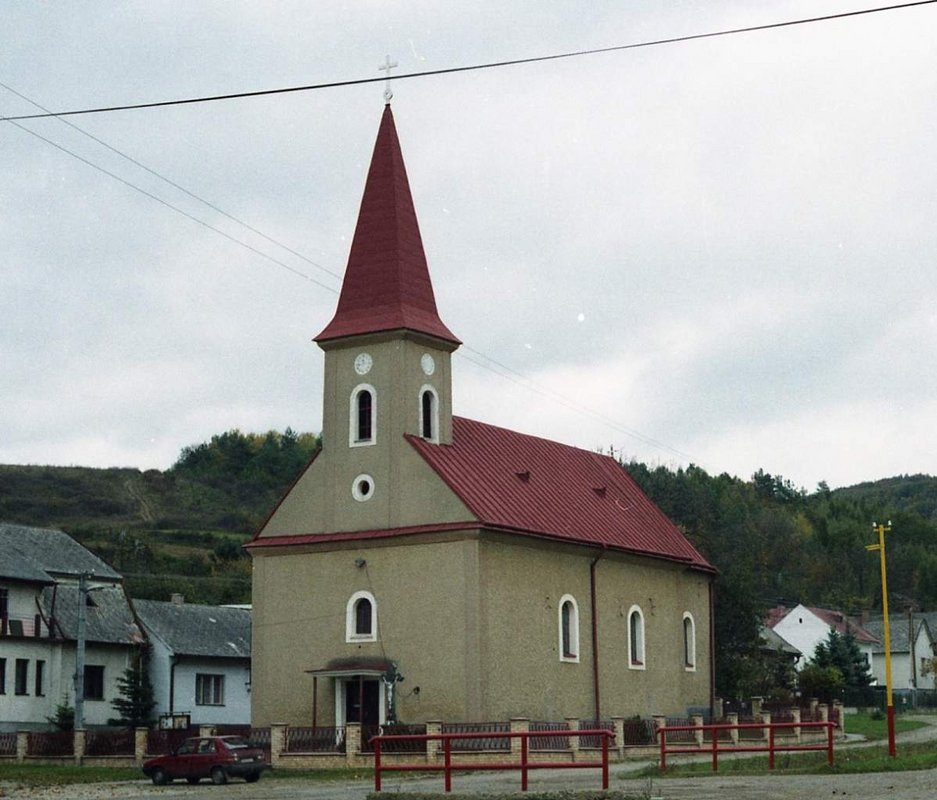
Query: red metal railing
770,747
524,765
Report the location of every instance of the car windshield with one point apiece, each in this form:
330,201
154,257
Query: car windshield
236,743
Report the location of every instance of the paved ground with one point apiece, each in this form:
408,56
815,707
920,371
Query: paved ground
921,785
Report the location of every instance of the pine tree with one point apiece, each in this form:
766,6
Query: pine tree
136,702
842,651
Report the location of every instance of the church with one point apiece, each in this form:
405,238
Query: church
426,567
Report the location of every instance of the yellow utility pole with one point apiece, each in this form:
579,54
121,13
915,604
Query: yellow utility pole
881,530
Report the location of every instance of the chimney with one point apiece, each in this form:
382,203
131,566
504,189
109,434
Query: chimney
177,599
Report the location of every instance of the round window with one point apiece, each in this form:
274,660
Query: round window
362,488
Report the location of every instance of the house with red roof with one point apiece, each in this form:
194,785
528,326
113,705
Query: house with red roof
806,626
430,567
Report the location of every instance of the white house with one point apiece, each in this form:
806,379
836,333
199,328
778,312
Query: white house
199,660
911,643
805,627
39,602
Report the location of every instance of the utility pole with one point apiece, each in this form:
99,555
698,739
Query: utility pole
80,653
83,591
881,530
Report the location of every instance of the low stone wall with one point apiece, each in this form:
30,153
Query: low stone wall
350,754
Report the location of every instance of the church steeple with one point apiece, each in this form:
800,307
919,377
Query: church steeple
387,285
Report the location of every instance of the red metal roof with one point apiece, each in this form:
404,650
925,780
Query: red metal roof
525,484
387,285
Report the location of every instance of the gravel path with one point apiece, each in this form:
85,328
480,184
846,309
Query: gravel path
918,785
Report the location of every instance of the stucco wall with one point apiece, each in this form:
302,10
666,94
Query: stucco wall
426,623
473,626
523,583
406,491
235,710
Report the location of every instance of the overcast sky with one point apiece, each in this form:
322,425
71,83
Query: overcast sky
718,252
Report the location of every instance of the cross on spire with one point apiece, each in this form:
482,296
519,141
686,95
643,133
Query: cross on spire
388,65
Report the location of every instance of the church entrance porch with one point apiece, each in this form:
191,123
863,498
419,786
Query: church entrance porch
359,690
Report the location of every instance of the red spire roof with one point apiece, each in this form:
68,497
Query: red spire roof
387,284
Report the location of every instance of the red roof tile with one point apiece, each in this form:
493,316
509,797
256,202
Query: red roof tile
835,619
536,486
842,624
386,285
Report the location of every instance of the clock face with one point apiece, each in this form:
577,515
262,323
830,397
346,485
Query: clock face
363,362
429,366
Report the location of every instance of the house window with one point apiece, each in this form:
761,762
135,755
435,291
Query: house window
3,676
209,689
94,682
4,602
689,642
569,629
362,416
40,677
361,618
636,658
429,413
20,678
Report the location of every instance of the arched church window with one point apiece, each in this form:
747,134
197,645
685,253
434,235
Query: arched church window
361,618
636,657
429,414
569,629
689,642
362,416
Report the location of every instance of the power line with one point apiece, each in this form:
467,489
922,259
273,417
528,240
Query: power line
172,183
556,397
506,371
476,67
178,210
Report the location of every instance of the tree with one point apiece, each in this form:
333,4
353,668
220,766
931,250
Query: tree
64,717
842,652
136,702
820,682
739,666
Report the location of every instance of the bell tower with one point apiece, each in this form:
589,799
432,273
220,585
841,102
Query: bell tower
387,352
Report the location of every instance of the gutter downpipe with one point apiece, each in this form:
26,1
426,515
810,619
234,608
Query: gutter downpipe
595,633
172,684
712,653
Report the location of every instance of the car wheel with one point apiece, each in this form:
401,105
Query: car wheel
160,777
193,780
252,777
219,776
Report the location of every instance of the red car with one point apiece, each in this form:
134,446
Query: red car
215,757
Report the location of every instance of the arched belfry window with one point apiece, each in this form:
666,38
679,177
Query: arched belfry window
636,648
362,416
569,628
361,618
689,642
429,414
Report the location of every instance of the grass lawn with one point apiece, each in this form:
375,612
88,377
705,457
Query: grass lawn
846,760
871,728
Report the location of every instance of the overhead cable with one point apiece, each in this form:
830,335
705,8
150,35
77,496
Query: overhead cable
475,67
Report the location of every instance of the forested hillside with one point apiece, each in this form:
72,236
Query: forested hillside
182,530
175,531
774,543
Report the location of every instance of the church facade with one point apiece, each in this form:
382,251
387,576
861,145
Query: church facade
430,567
